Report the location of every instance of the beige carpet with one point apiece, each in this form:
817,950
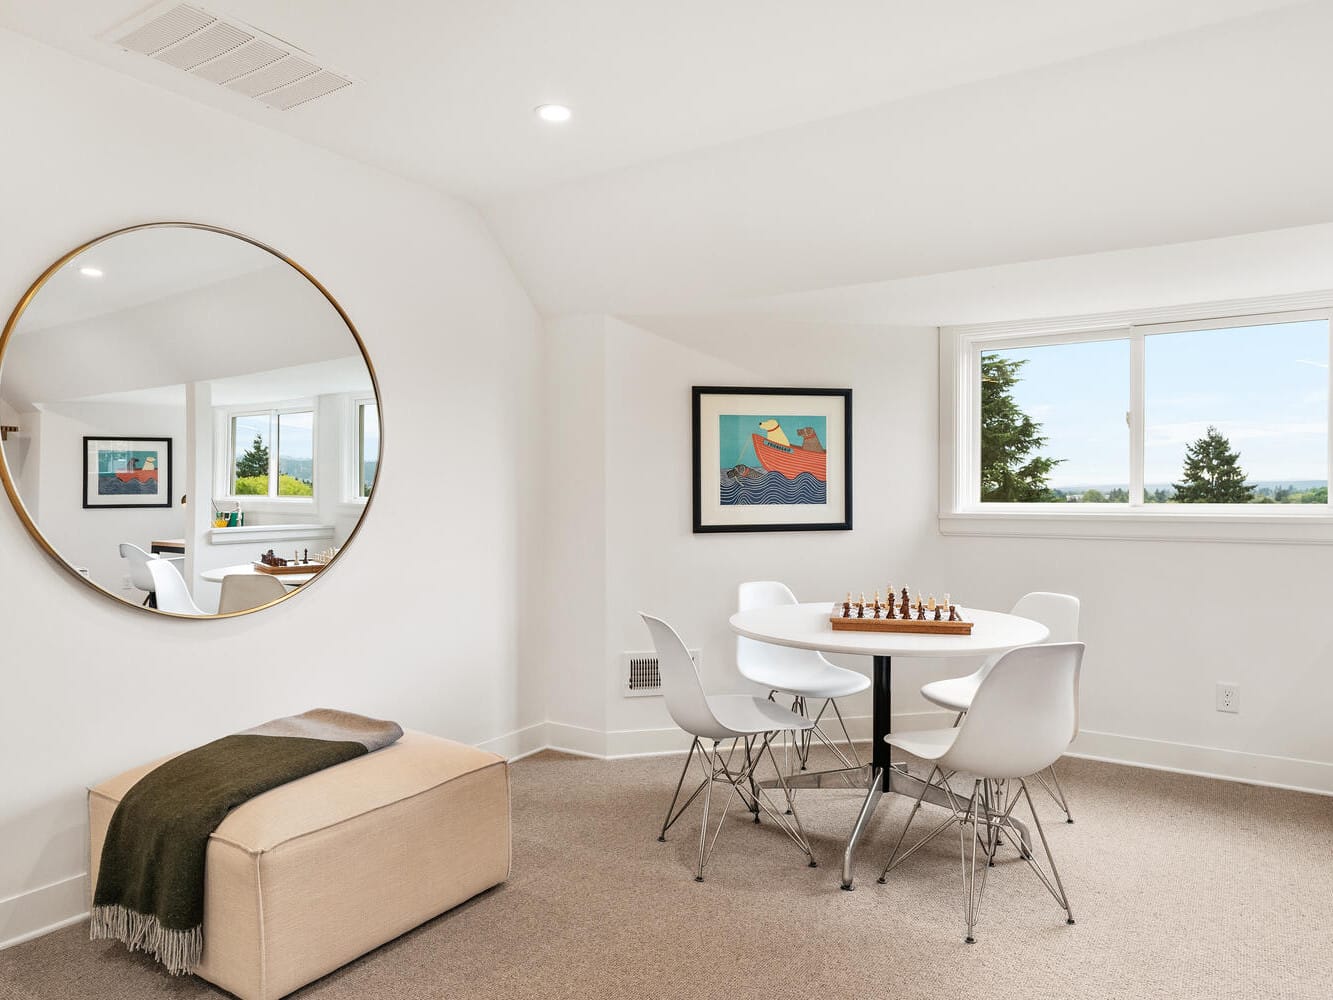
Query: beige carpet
1183,887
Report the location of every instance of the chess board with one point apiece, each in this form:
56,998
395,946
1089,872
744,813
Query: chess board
289,569
851,623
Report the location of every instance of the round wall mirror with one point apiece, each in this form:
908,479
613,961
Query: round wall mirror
190,421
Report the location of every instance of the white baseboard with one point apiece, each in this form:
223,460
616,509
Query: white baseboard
43,910
1290,773
520,743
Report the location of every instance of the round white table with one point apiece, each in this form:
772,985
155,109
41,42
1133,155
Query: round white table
806,626
245,569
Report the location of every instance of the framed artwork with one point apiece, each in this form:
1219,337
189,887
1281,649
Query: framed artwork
126,472
772,459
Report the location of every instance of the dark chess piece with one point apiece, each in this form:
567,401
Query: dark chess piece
939,608
953,613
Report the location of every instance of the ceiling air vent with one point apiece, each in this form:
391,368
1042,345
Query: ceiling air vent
230,54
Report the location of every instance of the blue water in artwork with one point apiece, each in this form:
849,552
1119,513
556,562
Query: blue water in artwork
110,486
772,488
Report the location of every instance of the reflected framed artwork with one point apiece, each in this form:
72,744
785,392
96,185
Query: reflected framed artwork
126,472
772,459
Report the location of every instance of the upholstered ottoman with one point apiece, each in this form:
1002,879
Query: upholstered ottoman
310,875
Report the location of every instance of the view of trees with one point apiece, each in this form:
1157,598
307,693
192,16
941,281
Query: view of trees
254,462
1014,470
1213,473
1010,468
252,475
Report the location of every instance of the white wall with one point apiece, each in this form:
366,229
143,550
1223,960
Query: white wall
90,538
653,561
1163,620
389,633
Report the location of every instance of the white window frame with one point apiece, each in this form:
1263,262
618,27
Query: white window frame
961,510
225,466
352,453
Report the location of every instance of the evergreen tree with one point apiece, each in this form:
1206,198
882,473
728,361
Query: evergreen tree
1118,495
1212,472
255,461
1093,495
1010,468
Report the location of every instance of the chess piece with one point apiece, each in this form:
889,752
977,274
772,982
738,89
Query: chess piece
939,610
876,615
847,606
861,606
953,613
905,608
920,609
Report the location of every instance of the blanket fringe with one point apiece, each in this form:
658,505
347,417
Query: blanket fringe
179,951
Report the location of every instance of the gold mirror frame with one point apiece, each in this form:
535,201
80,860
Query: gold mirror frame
11,488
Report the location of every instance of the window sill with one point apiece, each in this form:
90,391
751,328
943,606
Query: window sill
252,533
1312,526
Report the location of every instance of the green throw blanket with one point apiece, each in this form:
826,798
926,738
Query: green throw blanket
150,886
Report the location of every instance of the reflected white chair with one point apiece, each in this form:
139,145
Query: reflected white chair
169,585
1023,716
243,591
139,575
804,674
743,719
1059,613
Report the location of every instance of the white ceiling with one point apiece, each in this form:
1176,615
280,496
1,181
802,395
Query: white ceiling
722,153
138,268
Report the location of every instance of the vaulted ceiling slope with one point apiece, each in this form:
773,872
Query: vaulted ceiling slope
720,152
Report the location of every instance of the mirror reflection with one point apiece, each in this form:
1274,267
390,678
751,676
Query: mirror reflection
190,423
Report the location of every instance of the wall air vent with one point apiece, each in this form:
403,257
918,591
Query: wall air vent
231,54
641,675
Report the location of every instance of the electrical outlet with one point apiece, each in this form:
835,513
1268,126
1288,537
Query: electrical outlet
1228,697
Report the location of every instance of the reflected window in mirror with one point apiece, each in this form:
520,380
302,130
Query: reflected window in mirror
273,453
367,447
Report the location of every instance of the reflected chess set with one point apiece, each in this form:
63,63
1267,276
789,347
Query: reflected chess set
899,614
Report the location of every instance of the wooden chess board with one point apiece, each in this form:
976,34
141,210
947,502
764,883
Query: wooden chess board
842,623
306,567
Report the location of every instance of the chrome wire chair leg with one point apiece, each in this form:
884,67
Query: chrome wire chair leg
894,859
972,892
708,800
1057,793
741,781
670,817
792,828
958,718
845,734
1052,882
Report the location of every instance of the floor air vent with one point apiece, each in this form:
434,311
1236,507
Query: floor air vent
230,54
641,674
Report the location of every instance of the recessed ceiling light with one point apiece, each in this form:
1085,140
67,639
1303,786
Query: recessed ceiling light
554,113
91,272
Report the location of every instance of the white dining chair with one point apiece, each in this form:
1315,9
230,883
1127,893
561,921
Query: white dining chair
243,591
804,675
137,559
1059,613
1022,717
169,585
746,721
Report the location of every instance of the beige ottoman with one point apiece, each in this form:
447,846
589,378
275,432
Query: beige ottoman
305,878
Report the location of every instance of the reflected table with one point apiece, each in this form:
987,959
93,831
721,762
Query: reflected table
286,579
806,626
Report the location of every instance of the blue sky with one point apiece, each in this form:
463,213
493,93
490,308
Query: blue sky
1265,388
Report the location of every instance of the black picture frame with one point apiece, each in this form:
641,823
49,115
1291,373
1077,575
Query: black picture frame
158,500
839,400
